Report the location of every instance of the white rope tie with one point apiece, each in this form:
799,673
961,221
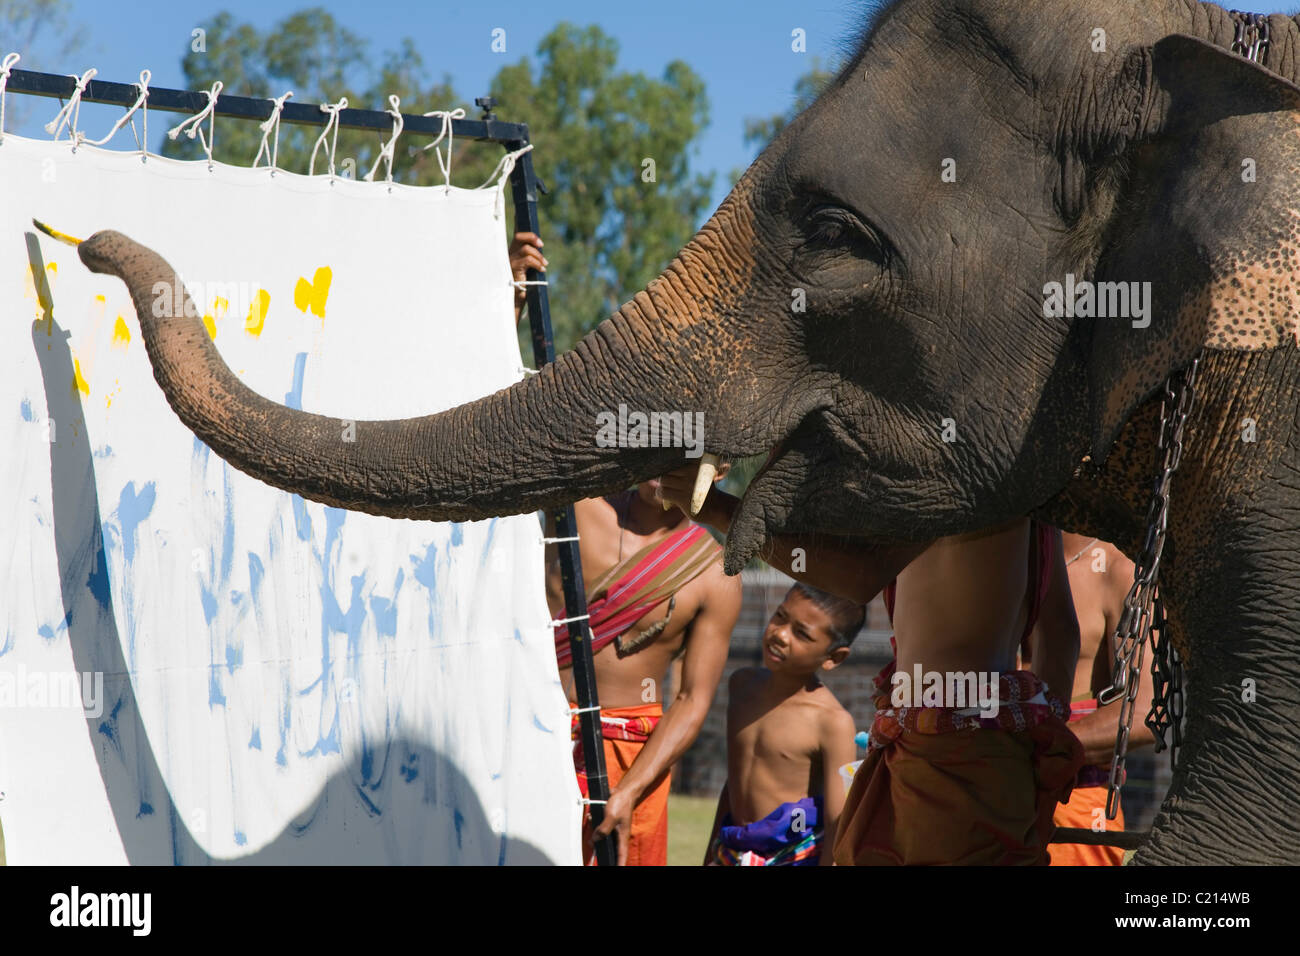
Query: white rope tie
584,801
71,111
447,117
557,540
504,168
386,153
270,125
143,87
580,617
333,123
525,371
5,67
575,711
209,113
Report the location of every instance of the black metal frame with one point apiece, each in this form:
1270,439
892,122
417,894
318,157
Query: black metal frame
524,186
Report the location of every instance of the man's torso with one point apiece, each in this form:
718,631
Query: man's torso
963,603
604,543
773,750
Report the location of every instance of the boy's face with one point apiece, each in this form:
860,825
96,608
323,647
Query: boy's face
798,638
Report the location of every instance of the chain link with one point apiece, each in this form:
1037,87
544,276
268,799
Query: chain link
1251,36
1142,610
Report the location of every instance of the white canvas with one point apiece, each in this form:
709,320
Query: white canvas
282,682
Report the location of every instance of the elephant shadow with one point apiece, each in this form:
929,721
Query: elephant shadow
358,816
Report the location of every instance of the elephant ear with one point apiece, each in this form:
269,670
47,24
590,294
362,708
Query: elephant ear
1208,213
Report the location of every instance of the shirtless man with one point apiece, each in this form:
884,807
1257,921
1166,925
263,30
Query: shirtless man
929,791
634,554
1100,578
657,596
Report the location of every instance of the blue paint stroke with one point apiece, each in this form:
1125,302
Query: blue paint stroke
108,728
25,409
133,508
384,611
293,399
286,718
97,579
256,572
255,741
541,726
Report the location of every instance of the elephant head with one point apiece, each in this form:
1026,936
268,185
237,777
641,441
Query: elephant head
891,298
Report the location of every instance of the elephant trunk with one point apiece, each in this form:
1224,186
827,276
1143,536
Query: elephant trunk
1232,800
546,441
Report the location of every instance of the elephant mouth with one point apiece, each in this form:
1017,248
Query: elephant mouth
767,506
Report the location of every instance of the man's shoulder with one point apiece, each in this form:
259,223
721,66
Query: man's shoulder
596,509
830,712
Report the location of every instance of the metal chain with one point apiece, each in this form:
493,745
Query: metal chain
1251,37
1135,622
1167,683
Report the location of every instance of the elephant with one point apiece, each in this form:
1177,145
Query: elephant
872,304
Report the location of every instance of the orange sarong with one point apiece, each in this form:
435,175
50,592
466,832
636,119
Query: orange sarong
1089,796
1079,813
626,730
937,788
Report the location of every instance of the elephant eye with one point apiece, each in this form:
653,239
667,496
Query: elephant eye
834,227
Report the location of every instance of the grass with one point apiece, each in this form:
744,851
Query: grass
690,821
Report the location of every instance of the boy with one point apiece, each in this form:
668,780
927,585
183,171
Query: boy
787,737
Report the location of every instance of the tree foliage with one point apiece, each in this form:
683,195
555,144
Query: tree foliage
610,220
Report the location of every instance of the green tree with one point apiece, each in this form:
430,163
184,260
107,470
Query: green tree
39,31
614,151
322,61
611,221
761,130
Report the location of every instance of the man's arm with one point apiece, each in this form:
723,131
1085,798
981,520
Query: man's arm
1054,641
838,748
724,807
706,656
840,565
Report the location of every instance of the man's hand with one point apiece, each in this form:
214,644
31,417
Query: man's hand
618,820
525,254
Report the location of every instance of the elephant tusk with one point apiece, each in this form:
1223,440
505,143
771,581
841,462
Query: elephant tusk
703,481
55,234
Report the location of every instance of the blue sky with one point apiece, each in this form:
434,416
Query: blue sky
741,49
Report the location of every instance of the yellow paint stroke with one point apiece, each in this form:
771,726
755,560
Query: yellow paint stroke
312,295
121,334
257,313
218,312
79,384
108,399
